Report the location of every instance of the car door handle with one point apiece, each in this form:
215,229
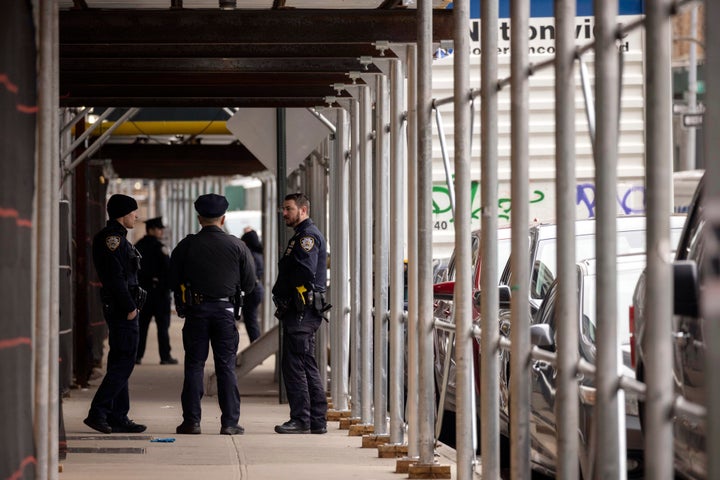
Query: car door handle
682,338
587,394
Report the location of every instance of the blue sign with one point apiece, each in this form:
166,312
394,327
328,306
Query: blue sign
544,8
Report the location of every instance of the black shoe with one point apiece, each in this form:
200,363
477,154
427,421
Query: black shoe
138,361
232,430
188,428
98,424
291,426
169,361
128,427
319,430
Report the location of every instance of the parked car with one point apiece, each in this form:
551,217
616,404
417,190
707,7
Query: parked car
443,310
543,422
543,267
688,340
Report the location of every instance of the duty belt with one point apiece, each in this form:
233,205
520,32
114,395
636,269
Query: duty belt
200,298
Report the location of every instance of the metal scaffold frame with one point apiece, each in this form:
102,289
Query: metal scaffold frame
371,184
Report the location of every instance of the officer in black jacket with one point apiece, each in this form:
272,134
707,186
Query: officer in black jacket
299,294
153,277
117,263
252,302
208,272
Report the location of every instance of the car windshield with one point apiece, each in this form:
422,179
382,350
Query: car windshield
503,247
626,281
544,268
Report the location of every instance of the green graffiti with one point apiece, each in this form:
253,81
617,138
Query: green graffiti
435,207
441,201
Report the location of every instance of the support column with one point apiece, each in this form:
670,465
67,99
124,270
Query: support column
659,294
381,221
609,463
339,266
520,317
426,467
489,399
397,237
465,419
567,389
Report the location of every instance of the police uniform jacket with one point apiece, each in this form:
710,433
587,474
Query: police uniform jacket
304,262
213,262
154,264
117,263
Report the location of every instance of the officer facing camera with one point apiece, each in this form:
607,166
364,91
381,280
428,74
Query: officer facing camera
299,295
208,273
153,278
117,263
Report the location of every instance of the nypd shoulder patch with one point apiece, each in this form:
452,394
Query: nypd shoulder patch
307,243
112,242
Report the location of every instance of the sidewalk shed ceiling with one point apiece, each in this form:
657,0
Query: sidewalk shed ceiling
270,53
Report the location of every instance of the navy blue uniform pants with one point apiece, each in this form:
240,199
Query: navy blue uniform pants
112,399
205,324
305,390
158,306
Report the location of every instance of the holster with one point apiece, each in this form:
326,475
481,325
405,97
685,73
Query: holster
139,295
237,304
318,301
281,306
183,299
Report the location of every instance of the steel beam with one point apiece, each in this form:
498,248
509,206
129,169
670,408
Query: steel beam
201,101
220,50
151,161
289,26
209,66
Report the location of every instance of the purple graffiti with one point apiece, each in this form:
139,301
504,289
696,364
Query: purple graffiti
586,196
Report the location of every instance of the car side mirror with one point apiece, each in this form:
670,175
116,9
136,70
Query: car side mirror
503,293
686,295
541,335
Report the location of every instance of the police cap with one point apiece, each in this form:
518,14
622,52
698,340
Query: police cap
120,205
154,223
211,205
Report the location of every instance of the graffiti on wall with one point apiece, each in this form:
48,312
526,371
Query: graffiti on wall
630,200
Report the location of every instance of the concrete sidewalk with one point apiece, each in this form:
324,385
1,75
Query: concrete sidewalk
259,454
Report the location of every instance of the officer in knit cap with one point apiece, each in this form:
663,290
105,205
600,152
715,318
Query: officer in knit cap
117,264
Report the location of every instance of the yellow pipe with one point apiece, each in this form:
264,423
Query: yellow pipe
195,127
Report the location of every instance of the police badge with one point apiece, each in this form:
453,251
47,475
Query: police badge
112,242
307,243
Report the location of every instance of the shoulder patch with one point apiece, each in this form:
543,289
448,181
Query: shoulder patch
112,242
307,243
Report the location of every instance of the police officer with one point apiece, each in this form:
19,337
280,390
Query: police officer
117,263
252,301
153,278
208,271
299,294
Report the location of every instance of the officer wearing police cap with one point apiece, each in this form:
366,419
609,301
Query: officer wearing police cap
153,276
117,263
208,271
299,294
